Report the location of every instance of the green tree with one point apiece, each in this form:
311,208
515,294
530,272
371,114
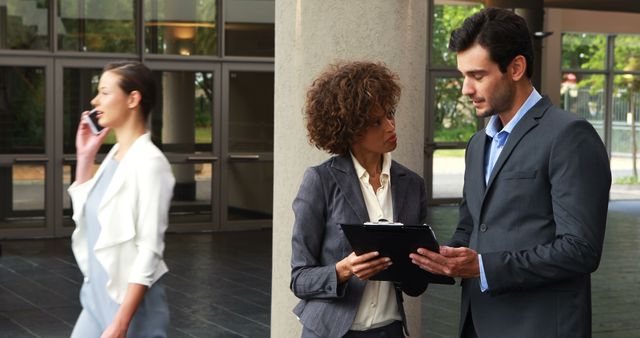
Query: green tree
454,119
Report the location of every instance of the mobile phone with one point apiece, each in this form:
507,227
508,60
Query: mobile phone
92,119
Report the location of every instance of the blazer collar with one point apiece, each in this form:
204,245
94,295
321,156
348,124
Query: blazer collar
528,122
346,178
399,189
128,161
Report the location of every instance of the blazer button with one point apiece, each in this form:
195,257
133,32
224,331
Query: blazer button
483,227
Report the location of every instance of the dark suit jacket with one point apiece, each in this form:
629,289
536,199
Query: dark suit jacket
330,194
539,224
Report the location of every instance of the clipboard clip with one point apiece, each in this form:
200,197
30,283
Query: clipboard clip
383,221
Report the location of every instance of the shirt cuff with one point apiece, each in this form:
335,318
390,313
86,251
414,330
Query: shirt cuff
484,287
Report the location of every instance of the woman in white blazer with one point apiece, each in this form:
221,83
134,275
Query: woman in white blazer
121,212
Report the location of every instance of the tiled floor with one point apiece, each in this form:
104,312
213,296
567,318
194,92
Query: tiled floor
219,285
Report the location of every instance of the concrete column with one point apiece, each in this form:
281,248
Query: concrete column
309,36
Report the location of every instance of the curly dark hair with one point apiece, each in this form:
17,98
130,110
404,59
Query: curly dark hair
339,103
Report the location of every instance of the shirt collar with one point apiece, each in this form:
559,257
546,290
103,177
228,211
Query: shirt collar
361,172
494,123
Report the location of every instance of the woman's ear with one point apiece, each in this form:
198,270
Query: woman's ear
518,67
134,99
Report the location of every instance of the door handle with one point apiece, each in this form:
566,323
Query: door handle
31,159
252,157
202,158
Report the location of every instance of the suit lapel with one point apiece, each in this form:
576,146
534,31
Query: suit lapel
528,122
346,178
476,161
398,190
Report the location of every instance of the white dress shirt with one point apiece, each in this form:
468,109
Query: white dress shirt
378,306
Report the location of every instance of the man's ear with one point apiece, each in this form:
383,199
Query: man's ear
518,68
134,99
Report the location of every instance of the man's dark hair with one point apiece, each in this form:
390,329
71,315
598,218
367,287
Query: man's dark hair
503,33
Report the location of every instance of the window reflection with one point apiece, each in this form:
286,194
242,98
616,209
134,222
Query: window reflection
22,199
24,24
22,100
180,27
250,191
250,111
96,26
80,86
192,193
183,120
249,28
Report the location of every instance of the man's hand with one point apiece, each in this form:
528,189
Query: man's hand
453,262
363,266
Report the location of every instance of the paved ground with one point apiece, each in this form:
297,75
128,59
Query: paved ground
219,284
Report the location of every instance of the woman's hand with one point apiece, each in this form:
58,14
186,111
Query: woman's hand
115,330
87,146
87,143
363,266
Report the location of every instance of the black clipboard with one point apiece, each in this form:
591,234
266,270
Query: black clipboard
396,241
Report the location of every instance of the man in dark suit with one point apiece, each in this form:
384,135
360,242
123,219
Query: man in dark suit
536,189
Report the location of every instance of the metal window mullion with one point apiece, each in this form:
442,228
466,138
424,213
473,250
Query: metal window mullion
220,27
139,24
608,116
53,26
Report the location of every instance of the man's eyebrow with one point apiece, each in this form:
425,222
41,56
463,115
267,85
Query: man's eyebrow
474,72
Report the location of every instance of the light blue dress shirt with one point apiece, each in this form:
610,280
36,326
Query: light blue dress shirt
492,151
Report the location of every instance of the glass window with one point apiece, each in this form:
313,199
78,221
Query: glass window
626,112
584,51
250,111
192,192
97,26
183,118
22,108
180,27
22,198
80,87
448,173
24,24
446,18
455,119
627,53
250,191
584,94
249,27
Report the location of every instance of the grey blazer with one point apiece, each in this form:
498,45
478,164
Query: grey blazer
539,224
330,194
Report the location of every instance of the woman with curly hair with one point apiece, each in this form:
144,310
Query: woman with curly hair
350,113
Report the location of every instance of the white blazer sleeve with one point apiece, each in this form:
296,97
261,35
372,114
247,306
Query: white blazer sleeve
155,183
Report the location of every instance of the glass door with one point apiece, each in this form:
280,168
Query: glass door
184,125
247,175
451,122
26,170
